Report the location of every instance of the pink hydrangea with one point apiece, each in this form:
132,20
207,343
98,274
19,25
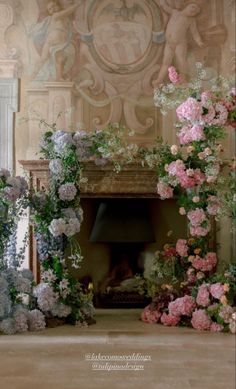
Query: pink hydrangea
197,133
182,248
150,316
186,181
200,320
165,191
196,216
182,306
205,264
184,135
199,231
215,327
174,77
217,290
169,320
176,168
190,109
203,296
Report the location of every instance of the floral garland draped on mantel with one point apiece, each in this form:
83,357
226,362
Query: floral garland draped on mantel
183,283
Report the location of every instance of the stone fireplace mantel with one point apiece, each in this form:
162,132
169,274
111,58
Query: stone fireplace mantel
102,181
134,181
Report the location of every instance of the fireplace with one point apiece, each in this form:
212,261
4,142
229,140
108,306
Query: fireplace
136,185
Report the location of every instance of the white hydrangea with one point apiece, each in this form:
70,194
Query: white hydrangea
57,227
67,192
72,227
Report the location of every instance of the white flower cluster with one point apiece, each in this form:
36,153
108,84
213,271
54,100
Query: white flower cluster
68,227
14,314
67,192
12,188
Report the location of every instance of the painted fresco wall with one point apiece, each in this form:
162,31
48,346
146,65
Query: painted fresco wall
96,61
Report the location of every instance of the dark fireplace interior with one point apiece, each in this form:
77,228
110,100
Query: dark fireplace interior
115,236
125,226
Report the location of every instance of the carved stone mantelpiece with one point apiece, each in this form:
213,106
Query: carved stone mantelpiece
133,181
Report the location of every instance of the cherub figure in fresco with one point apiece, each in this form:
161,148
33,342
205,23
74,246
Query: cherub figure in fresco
55,32
180,24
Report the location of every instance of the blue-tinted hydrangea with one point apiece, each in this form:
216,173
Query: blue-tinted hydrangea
67,192
7,326
46,297
36,320
61,310
5,305
55,167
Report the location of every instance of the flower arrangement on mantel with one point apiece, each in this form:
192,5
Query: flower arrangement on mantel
204,184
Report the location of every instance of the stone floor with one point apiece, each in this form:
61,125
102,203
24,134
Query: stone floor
60,358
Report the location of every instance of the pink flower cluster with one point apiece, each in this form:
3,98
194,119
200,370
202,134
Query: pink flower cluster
187,178
191,110
217,290
182,248
205,264
196,217
190,134
165,191
182,306
149,315
200,320
174,77
169,320
203,296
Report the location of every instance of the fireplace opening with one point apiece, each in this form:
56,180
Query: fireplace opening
125,226
105,252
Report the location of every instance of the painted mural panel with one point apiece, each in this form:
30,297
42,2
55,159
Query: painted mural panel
115,52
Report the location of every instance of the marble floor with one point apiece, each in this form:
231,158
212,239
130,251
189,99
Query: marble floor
119,351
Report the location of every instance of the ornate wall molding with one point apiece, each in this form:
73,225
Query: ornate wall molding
8,105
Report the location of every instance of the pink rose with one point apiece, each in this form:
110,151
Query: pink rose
174,77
